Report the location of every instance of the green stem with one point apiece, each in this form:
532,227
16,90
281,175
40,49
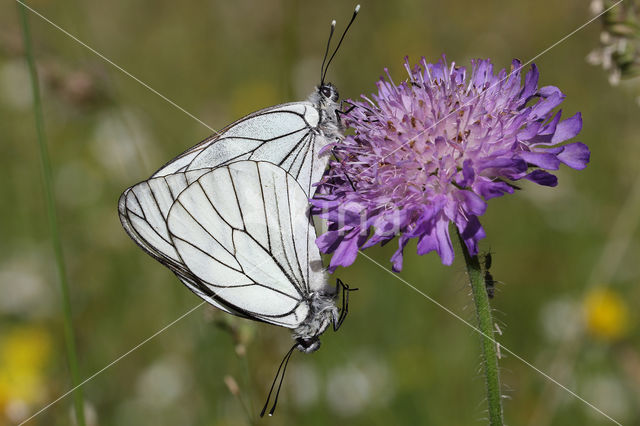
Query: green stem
53,222
485,325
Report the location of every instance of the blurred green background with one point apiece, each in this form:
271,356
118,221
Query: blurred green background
566,258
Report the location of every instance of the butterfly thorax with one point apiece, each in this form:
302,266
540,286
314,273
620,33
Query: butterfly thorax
325,97
323,312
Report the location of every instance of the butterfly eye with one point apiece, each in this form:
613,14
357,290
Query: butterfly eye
326,92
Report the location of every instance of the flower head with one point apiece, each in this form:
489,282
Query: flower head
432,150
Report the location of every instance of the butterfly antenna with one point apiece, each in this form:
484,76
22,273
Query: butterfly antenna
326,52
284,362
353,18
284,370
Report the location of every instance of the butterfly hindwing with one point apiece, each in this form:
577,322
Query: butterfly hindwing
238,230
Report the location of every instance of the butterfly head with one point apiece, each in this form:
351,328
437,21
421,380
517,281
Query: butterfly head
328,93
308,345
325,99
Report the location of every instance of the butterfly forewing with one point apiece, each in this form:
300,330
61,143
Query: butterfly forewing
285,135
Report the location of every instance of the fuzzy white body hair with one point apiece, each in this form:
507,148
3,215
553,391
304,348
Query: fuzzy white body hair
329,124
323,311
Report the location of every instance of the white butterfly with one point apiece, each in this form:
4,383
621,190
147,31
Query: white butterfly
230,217
245,243
288,135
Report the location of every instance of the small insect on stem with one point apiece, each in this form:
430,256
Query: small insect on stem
489,282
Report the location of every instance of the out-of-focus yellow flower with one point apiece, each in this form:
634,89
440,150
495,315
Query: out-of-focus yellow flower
24,352
606,314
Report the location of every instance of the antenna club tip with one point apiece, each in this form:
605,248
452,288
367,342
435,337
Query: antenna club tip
357,9
333,23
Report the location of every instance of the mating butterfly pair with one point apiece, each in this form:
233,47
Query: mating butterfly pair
230,217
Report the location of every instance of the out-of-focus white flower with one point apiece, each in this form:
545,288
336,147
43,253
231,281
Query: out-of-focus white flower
24,291
163,382
562,320
15,87
596,7
304,384
362,382
614,77
608,394
90,415
619,50
120,143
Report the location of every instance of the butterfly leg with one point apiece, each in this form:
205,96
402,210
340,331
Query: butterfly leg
333,151
345,304
339,113
335,155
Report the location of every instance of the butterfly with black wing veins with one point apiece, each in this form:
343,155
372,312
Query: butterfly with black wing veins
230,217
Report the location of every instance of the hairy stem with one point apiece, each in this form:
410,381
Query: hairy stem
53,222
485,325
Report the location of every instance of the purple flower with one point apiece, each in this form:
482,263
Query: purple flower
432,150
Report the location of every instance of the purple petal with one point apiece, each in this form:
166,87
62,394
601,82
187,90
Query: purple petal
490,190
472,202
471,233
329,241
545,105
445,248
377,239
345,254
426,244
541,159
325,203
542,178
468,173
547,91
397,258
575,155
496,163
326,149
567,129
530,83
550,127
529,132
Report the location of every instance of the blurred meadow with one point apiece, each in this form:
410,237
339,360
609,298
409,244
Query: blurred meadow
566,258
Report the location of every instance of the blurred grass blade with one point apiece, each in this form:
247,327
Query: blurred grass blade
53,223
